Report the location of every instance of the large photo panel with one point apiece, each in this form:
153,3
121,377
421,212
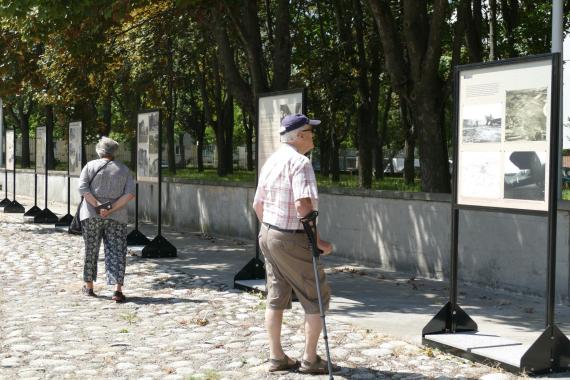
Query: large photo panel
10,150
41,150
75,148
148,129
272,108
503,134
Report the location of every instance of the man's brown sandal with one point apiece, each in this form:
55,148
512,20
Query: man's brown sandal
285,364
318,367
119,297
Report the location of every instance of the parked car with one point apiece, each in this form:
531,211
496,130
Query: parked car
565,177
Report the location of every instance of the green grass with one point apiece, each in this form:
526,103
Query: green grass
248,177
239,176
388,183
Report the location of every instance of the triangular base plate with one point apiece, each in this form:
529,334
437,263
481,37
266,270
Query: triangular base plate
46,217
449,321
549,353
14,208
159,247
135,237
35,210
64,221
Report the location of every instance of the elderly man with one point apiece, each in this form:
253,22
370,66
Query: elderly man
286,192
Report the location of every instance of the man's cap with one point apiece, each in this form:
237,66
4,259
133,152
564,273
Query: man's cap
292,122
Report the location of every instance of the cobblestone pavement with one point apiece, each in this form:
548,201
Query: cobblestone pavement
175,325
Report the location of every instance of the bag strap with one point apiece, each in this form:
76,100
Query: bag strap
97,172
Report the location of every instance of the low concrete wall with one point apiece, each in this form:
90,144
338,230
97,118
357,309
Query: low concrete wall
407,232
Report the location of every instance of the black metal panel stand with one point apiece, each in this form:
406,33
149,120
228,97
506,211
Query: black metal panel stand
46,216
6,201
65,220
135,237
551,351
14,207
159,246
255,268
34,210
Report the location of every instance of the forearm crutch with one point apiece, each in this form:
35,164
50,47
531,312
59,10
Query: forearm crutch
310,225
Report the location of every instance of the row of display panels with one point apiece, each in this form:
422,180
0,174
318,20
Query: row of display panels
503,135
147,153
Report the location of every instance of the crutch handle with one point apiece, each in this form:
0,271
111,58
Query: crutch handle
310,226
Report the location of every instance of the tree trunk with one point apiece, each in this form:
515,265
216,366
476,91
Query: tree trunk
107,114
492,29
182,149
416,78
248,126
433,148
409,144
382,134
25,130
200,152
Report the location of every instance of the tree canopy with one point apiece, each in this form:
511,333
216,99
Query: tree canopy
377,72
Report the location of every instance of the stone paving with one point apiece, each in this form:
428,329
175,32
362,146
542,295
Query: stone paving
174,325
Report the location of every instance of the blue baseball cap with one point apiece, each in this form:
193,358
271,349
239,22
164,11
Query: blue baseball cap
292,122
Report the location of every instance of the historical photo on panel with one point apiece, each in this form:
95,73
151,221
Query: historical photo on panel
525,175
526,115
41,149
480,175
147,149
481,123
75,159
142,132
290,109
10,151
142,163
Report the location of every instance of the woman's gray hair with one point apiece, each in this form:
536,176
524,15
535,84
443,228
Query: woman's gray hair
106,147
290,136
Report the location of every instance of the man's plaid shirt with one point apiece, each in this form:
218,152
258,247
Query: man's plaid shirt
285,177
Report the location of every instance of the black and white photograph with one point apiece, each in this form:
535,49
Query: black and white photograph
75,159
147,150
480,175
482,123
525,175
41,150
142,132
153,123
525,115
10,151
287,109
142,163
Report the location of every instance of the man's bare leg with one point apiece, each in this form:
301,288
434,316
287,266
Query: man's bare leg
313,327
273,321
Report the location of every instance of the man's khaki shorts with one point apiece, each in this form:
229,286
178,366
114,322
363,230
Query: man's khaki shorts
289,267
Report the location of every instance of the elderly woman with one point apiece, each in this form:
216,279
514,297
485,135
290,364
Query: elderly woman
105,182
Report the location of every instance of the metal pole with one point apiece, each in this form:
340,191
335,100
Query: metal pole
553,193
136,206
454,267
14,188
45,186
557,19
68,193
159,173
6,182
35,189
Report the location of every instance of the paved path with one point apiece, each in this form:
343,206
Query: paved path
178,324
